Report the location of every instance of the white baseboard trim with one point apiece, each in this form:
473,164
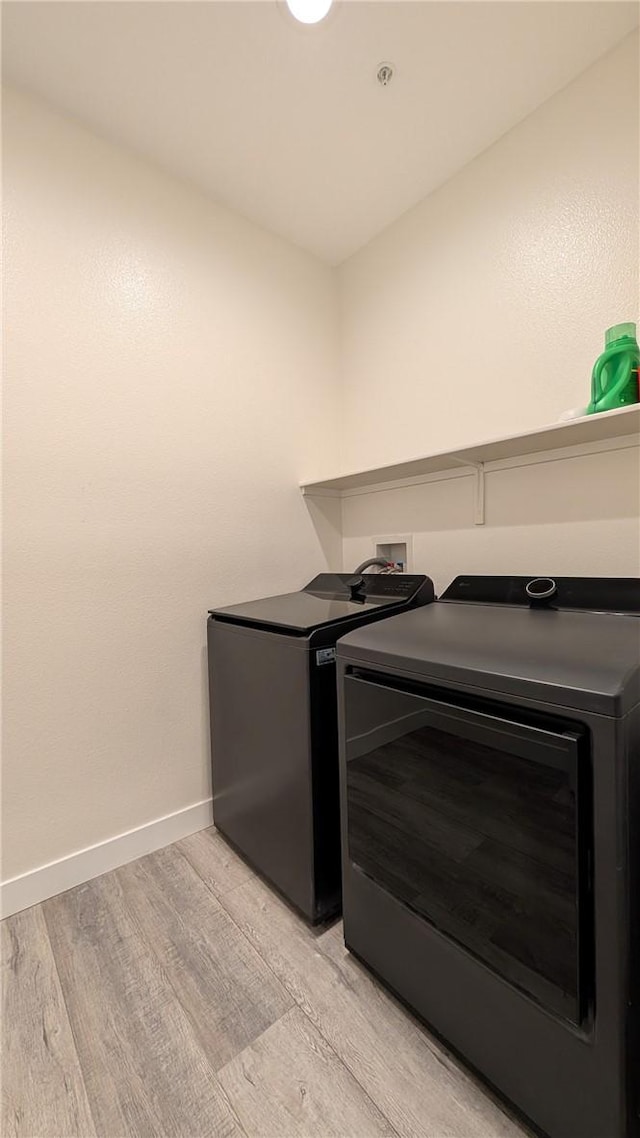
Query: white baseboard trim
58,876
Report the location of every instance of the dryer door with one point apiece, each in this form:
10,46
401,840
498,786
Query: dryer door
479,820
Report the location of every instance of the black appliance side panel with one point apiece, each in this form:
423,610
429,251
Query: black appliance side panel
326,786
569,1083
631,729
261,753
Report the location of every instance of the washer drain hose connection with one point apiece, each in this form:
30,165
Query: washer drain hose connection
381,561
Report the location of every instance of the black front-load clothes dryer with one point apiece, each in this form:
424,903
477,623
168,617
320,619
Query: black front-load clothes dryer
274,736
490,776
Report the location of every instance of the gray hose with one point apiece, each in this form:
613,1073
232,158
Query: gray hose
381,561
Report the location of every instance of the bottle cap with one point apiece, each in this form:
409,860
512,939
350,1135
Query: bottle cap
618,332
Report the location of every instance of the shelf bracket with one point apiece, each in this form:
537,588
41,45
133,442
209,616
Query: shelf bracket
478,518
478,505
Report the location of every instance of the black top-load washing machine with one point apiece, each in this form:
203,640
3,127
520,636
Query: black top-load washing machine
490,782
274,735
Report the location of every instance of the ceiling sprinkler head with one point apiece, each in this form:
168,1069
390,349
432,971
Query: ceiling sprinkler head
385,74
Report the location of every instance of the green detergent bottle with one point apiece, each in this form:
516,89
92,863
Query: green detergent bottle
614,381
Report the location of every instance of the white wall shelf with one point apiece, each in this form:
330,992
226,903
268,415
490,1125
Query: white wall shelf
588,434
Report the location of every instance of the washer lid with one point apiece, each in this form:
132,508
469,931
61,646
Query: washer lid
294,612
583,660
326,600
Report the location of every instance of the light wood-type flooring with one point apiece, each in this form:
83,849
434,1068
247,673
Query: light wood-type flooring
179,997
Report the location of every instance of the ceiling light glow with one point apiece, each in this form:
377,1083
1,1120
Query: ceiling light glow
309,11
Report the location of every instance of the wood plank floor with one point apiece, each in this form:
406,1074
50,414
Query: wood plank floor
178,996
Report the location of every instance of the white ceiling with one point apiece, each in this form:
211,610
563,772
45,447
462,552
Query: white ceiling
286,124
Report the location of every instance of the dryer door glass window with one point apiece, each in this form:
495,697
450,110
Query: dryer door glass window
481,825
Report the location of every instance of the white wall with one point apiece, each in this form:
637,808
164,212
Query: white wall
170,377
480,312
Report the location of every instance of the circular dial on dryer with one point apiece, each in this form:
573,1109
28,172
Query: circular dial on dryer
540,588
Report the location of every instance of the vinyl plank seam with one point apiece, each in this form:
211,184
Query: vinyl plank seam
441,1052
232,888
243,933
185,1010
76,1047
341,1063
446,1058
216,1069
298,1004
295,1002
235,924
231,1108
438,1048
347,1068
486,1089
219,1087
